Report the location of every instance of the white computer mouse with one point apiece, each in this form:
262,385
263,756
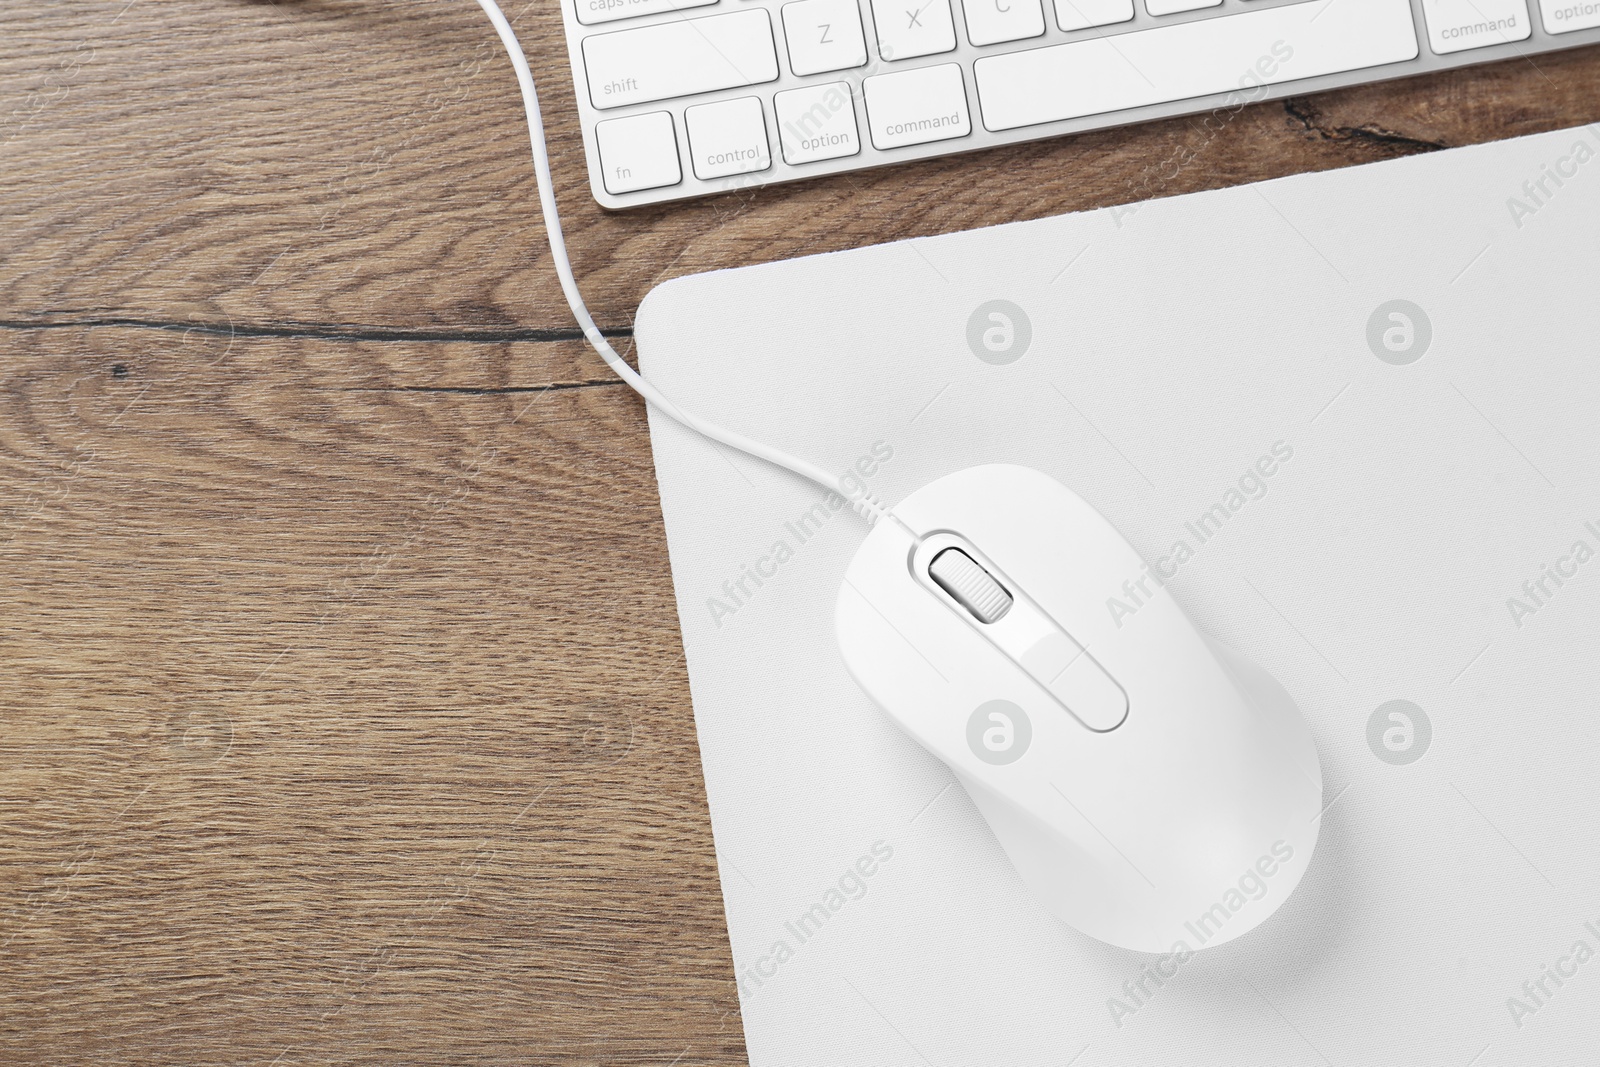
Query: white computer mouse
1152,788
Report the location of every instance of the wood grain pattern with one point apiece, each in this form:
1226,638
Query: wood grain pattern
345,717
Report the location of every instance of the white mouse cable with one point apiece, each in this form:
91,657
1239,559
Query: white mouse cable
868,505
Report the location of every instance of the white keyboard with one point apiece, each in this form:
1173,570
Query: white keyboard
683,98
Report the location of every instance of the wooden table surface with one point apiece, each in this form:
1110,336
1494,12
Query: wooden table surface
344,711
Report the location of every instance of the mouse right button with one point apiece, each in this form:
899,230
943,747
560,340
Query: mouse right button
1076,679
1092,694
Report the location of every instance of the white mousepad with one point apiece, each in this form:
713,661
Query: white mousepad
1413,345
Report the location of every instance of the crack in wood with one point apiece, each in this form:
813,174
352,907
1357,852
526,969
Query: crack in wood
1310,119
321,332
474,390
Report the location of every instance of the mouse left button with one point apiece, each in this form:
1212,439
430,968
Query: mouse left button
970,585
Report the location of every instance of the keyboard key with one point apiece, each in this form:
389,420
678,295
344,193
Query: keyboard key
1457,25
592,12
729,137
824,35
998,21
910,28
817,123
1192,59
1564,16
680,58
638,152
1082,14
916,106
1172,7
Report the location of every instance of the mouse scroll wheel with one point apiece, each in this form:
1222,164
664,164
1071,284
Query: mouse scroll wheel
973,587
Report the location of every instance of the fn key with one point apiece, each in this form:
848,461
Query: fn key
638,152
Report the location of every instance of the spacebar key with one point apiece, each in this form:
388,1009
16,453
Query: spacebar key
1237,53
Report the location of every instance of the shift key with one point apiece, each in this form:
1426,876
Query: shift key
680,58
